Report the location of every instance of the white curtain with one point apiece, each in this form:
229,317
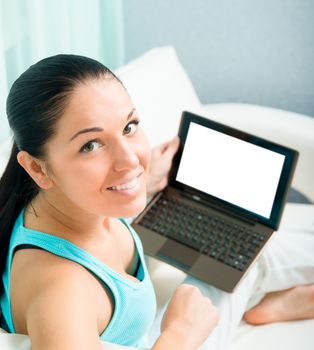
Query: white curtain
33,29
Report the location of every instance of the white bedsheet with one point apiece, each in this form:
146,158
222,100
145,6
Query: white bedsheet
161,89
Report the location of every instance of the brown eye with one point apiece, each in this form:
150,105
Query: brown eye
90,146
131,127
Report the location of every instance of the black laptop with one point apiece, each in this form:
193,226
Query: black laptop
225,198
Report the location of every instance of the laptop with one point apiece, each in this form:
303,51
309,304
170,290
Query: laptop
224,200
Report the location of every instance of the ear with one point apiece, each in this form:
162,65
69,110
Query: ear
36,169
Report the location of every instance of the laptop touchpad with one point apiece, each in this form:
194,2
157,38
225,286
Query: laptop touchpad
178,254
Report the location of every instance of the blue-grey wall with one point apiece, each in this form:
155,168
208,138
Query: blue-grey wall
253,51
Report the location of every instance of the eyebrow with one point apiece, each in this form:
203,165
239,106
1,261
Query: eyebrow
97,129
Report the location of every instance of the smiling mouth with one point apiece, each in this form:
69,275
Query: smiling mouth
125,186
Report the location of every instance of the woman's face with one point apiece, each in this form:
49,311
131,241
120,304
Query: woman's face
99,156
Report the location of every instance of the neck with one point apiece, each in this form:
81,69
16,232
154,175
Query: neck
67,220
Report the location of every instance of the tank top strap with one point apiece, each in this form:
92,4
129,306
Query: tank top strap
142,271
64,248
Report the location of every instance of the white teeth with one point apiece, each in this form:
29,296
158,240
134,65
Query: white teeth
123,187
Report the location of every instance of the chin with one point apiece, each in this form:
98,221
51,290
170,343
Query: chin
135,209
131,209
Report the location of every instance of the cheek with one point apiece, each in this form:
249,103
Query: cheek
85,176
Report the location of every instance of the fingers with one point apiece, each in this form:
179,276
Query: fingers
172,147
167,148
160,165
190,313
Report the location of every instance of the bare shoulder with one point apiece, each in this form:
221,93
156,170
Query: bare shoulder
59,297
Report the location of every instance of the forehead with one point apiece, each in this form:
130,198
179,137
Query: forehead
96,101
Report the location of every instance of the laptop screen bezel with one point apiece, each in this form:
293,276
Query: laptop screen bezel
285,179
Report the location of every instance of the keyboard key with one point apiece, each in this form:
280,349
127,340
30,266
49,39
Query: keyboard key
219,238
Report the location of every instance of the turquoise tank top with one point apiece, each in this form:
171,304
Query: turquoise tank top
134,302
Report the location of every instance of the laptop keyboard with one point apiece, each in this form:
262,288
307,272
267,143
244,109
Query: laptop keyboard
207,233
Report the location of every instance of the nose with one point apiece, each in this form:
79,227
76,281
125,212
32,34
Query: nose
124,156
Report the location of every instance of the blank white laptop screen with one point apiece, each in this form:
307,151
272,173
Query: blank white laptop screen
233,170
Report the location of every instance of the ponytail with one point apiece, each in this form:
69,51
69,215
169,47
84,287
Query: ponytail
17,189
36,102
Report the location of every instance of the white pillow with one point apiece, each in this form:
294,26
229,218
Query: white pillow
160,90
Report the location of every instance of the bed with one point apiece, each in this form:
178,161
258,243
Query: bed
161,90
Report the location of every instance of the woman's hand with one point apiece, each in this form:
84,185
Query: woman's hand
190,316
160,165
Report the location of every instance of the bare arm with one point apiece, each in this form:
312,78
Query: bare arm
188,320
64,314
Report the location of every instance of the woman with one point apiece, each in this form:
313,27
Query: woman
72,272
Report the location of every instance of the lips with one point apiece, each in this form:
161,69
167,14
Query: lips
126,185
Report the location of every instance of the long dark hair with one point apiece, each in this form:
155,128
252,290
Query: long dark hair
35,103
